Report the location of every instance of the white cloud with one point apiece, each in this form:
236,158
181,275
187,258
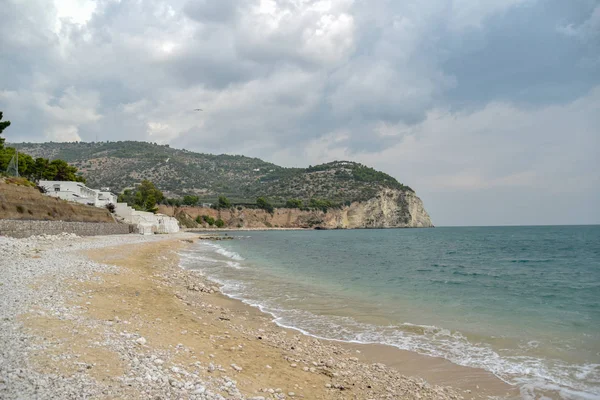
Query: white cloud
306,81
63,133
587,30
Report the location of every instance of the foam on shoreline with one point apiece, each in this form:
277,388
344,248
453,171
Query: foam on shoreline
532,375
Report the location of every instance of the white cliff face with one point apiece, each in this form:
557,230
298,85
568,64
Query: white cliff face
389,209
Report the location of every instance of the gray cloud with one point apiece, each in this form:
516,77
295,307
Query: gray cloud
446,95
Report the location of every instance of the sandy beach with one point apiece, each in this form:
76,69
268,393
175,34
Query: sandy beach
116,317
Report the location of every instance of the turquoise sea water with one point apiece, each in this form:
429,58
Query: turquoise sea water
521,302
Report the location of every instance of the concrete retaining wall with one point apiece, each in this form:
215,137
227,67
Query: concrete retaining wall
24,228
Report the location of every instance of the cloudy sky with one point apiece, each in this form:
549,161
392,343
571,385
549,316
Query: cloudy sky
489,109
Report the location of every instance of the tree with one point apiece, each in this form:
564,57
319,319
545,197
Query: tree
264,204
190,200
144,197
220,223
294,203
223,202
3,126
209,220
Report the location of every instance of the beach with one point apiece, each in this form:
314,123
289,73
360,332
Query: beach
117,317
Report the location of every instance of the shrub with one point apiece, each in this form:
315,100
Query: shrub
20,209
199,219
220,223
264,204
224,202
111,208
209,220
293,203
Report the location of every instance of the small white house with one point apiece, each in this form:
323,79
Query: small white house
70,191
78,192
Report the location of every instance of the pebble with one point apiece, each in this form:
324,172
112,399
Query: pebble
141,341
61,259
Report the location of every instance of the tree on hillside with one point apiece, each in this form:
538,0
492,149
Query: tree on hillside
143,198
294,203
189,200
223,202
3,126
264,204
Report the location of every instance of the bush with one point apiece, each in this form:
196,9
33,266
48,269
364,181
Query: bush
199,219
264,204
190,200
111,208
209,220
294,203
220,223
20,209
224,202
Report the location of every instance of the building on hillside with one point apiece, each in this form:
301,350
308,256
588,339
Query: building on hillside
78,192
105,197
147,222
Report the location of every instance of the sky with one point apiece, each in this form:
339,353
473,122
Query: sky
489,109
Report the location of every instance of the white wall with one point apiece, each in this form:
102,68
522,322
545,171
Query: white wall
147,222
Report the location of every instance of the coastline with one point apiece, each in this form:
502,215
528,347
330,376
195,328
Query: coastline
189,339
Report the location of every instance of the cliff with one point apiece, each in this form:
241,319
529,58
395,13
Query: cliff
388,209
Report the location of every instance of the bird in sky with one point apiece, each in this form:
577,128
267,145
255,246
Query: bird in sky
198,109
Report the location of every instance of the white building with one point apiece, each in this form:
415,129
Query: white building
147,222
104,197
78,192
70,191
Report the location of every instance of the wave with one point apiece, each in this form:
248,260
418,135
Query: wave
531,374
224,252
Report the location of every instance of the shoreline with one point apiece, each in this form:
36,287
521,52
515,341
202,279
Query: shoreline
133,323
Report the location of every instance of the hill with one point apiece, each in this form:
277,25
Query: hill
121,165
20,201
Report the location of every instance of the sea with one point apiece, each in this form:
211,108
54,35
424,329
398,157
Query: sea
520,302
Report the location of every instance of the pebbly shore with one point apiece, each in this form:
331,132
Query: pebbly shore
133,324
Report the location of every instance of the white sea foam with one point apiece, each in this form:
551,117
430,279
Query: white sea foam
533,375
224,252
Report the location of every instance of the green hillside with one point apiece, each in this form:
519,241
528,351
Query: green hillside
120,165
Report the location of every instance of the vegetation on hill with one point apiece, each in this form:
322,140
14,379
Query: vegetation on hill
36,169
192,178
3,126
144,197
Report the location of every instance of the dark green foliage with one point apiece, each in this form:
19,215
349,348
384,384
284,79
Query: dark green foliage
190,200
3,126
219,223
223,202
294,203
38,169
111,208
264,204
143,198
209,220
322,205
240,179
173,202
